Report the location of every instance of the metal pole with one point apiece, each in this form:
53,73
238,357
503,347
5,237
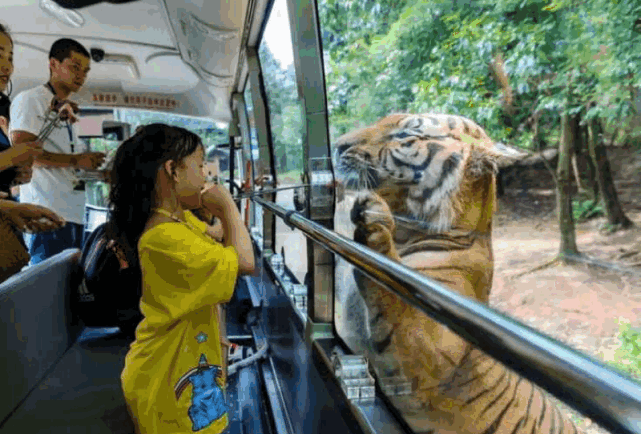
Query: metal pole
607,397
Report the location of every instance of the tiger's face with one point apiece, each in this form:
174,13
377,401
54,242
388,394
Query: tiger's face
425,158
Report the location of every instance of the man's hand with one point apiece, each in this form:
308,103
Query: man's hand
67,109
106,176
90,160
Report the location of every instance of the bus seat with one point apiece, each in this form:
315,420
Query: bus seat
37,325
82,394
58,376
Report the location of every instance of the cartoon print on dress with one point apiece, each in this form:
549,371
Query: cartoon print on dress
207,399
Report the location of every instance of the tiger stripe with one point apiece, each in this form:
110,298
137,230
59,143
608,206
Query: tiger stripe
438,170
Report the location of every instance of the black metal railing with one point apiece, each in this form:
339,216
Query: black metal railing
601,393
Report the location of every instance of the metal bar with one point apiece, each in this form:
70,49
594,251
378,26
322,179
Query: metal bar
249,194
266,163
241,110
599,392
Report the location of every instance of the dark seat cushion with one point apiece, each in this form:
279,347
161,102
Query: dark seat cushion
36,325
82,394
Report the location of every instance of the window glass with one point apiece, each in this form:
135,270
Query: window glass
97,192
287,129
533,75
212,134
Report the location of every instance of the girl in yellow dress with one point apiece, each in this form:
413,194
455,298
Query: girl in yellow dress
173,380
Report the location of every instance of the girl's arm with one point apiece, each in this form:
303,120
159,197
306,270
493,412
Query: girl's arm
220,203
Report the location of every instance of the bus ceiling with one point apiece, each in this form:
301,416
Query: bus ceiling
179,56
76,4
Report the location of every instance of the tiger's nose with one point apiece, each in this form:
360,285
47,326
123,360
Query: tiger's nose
340,149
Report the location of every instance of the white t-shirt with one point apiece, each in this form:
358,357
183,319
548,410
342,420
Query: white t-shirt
50,187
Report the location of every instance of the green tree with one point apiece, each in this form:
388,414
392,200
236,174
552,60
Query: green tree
507,64
285,111
209,132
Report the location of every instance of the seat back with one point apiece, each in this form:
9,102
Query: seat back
36,324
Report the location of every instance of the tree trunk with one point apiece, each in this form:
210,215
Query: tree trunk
568,247
610,199
592,170
577,173
581,162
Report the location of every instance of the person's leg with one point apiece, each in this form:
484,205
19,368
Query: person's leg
77,235
44,245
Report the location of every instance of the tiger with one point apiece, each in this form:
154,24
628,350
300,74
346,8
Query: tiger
425,197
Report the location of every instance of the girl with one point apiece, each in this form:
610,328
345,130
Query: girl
173,378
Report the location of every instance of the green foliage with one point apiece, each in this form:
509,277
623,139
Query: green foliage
285,111
628,355
210,133
436,55
583,210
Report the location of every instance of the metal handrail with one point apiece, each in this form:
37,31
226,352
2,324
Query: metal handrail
597,391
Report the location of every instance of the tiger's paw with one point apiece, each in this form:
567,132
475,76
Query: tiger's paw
374,223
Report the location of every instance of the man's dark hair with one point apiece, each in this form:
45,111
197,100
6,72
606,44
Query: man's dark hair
62,48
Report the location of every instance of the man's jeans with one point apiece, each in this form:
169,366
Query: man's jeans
44,245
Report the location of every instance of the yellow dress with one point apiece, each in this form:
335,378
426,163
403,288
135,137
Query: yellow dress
173,380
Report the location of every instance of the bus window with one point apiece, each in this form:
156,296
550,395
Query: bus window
287,126
97,192
471,62
212,134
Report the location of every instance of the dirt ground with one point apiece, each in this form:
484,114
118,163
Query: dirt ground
578,305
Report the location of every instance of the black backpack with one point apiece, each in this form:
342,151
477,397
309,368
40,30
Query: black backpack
109,294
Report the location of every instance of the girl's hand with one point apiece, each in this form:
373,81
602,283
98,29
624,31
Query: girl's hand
216,231
28,217
217,199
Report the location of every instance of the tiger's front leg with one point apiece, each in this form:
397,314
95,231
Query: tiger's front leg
375,229
374,224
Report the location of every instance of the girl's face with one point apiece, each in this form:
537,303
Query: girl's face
190,179
6,61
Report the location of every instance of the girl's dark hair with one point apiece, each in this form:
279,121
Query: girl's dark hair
133,179
5,31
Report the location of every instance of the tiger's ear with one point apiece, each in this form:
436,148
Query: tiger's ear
507,155
490,159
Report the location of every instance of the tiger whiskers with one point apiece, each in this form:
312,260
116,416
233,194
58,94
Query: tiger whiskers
364,171
356,172
416,224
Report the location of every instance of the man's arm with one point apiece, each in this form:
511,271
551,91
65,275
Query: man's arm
48,159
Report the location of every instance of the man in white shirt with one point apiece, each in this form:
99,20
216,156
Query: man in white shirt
54,182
